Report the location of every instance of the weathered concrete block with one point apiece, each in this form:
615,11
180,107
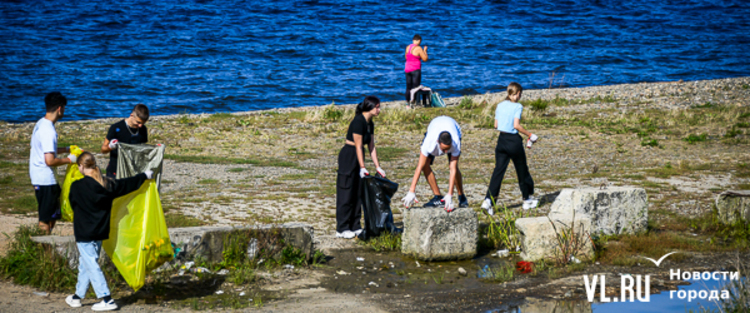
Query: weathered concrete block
612,210
204,242
733,206
431,234
539,240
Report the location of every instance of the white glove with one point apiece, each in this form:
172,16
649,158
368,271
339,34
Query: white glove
381,172
410,199
363,172
73,158
448,200
149,174
113,144
533,138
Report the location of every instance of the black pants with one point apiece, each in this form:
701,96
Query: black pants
413,80
510,147
348,204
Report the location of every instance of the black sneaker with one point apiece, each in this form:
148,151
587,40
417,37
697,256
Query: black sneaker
435,202
462,201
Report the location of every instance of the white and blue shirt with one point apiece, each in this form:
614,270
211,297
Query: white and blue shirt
43,140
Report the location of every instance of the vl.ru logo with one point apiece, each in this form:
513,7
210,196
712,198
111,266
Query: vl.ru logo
632,287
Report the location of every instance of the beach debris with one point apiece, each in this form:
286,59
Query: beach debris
242,294
261,261
360,267
218,292
188,265
418,264
360,259
574,260
223,272
374,284
503,253
342,273
391,265
289,267
41,294
462,271
524,267
200,270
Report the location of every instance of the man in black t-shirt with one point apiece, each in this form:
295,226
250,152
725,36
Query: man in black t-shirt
130,130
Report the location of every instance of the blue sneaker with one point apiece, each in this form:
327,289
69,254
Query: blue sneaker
435,202
462,201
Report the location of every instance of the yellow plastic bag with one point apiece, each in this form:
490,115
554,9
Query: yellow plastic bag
138,238
72,174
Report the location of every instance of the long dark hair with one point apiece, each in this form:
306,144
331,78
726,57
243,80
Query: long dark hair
368,104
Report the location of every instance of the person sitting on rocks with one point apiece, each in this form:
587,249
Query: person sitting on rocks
510,147
131,130
443,136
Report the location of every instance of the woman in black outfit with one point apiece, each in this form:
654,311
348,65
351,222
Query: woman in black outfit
352,168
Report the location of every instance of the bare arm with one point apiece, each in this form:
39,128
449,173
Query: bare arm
495,124
358,146
52,161
373,152
420,165
453,170
422,53
519,128
105,146
63,150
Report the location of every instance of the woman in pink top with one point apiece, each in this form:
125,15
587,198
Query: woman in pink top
414,57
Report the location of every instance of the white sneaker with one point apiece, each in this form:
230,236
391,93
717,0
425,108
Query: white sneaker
357,232
73,303
487,206
105,306
347,234
530,203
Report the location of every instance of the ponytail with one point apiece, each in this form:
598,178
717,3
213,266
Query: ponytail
368,104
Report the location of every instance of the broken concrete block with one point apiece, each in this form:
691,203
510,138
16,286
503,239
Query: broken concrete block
431,234
733,206
539,238
612,210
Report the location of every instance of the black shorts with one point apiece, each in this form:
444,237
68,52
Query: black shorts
48,198
432,158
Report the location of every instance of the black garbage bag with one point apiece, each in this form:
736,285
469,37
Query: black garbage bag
375,193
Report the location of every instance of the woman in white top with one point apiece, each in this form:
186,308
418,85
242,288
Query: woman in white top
510,147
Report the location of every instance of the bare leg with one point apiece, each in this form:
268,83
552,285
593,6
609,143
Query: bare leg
430,176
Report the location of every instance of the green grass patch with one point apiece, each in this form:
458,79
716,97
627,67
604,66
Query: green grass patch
208,181
299,176
648,142
693,138
536,105
220,160
387,154
32,264
387,241
181,220
6,180
236,170
24,205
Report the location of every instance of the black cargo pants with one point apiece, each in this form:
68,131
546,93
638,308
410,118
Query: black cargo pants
348,204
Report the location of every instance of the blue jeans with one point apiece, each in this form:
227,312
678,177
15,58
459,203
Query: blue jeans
89,271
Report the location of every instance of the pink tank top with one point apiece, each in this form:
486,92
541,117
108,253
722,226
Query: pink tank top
413,62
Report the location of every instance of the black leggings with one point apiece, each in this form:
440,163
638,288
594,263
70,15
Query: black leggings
510,147
413,80
348,205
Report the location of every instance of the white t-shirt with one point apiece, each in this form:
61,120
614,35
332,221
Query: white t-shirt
438,125
43,140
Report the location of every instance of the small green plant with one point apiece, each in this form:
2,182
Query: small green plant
438,279
244,123
31,263
387,241
570,244
6,180
706,105
692,138
745,86
466,103
184,119
539,105
333,114
500,274
649,142
24,205
236,170
208,181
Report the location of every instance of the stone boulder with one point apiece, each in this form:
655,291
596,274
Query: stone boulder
539,238
612,210
733,206
431,234
538,305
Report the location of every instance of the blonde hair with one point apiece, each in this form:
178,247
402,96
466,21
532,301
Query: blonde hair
86,160
514,88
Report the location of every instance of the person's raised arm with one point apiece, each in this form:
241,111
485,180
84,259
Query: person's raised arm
422,53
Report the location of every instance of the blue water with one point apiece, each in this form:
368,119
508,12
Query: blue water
218,56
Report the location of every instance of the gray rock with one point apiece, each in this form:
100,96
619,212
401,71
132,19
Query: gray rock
612,210
538,305
431,234
733,206
539,238
462,271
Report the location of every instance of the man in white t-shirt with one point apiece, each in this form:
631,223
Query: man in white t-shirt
44,157
443,137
